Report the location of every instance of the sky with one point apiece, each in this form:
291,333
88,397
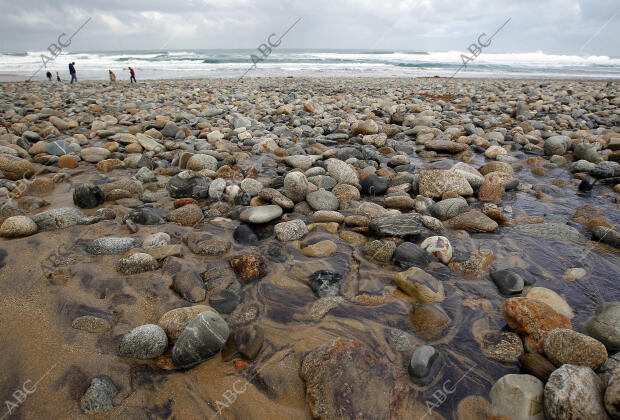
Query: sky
572,27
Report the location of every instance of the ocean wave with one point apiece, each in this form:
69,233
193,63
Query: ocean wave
202,63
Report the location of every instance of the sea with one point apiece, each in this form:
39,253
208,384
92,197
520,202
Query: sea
94,65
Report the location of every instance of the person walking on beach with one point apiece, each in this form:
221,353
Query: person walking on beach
72,72
133,75
57,77
49,76
112,76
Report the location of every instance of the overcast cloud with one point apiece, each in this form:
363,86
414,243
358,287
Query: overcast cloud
551,26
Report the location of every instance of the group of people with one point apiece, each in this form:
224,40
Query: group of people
73,74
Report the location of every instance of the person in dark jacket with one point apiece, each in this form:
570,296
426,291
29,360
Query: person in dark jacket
133,75
49,76
57,77
72,72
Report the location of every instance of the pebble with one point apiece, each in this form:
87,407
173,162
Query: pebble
249,267
398,226
174,322
533,319
136,264
612,396
296,186
202,244
407,255
144,342
400,202
91,324
188,185
15,168
374,185
322,200
508,282
18,226
429,320
420,285
424,365
187,215
504,346
261,214
244,235
518,397
574,392
325,283
189,286
94,154
64,217
253,187
557,145
216,189
439,247
473,221
68,162
300,161
563,346
99,397
224,301
604,325
552,299
606,235
449,208
558,232
202,338
342,172
573,274
379,251
291,231
436,182
112,245
156,240
538,365
320,249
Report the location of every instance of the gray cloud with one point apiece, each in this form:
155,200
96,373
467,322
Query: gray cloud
552,26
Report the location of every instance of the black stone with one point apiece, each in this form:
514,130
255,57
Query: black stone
243,199
202,339
325,283
196,187
602,172
145,216
587,184
528,276
275,253
374,185
508,282
224,301
409,255
245,236
277,182
88,196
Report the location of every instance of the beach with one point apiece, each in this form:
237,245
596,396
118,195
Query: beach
309,247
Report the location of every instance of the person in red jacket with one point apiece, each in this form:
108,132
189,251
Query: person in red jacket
133,75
